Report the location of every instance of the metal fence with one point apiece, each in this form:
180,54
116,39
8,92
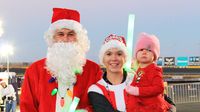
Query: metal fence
184,92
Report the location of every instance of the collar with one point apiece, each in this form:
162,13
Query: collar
107,81
149,67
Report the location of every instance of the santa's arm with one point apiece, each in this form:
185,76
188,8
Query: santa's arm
89,107
28,102
98,76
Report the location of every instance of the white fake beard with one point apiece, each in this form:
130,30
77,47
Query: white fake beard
63,59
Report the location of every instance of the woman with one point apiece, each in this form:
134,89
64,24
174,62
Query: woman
108,94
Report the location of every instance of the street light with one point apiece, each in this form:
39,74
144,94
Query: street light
6,51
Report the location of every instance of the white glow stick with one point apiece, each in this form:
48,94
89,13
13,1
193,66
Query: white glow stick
129,40
74,104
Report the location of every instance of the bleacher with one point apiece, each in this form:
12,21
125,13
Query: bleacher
181,71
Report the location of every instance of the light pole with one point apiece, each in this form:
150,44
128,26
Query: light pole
1,28
6,51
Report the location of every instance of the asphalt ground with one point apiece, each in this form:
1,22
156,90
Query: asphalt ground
188,107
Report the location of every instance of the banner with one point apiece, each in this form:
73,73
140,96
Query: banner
160,61
182,61
194,60
169,61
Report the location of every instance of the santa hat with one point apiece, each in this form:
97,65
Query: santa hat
70,19
113,41
150,42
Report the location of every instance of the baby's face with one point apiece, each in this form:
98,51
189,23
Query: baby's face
145,56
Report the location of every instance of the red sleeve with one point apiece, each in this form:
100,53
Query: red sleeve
91,74
89,109
98,76
157,86
28,102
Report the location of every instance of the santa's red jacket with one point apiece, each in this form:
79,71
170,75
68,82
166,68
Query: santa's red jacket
36,90
151,88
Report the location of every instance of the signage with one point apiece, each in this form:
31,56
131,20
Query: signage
169,61
182,61
160,61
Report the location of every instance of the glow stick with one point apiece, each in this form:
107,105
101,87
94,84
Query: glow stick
129,40
74,104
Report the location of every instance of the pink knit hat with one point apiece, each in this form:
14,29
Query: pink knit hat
147,41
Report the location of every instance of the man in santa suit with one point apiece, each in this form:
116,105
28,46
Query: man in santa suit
61,80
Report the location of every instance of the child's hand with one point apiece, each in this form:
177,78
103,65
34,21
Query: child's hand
132,90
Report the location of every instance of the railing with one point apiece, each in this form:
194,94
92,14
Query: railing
184,92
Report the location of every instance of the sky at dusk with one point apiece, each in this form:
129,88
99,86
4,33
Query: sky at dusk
175,22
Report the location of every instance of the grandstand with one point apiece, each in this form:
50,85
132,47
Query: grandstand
176,74
171,74
181,74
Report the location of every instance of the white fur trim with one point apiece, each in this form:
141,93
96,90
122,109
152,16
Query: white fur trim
112,44
95,88
83,40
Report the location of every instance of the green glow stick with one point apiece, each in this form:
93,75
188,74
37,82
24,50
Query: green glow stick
74,104
129,40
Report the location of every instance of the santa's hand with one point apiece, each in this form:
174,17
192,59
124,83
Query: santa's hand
132,90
